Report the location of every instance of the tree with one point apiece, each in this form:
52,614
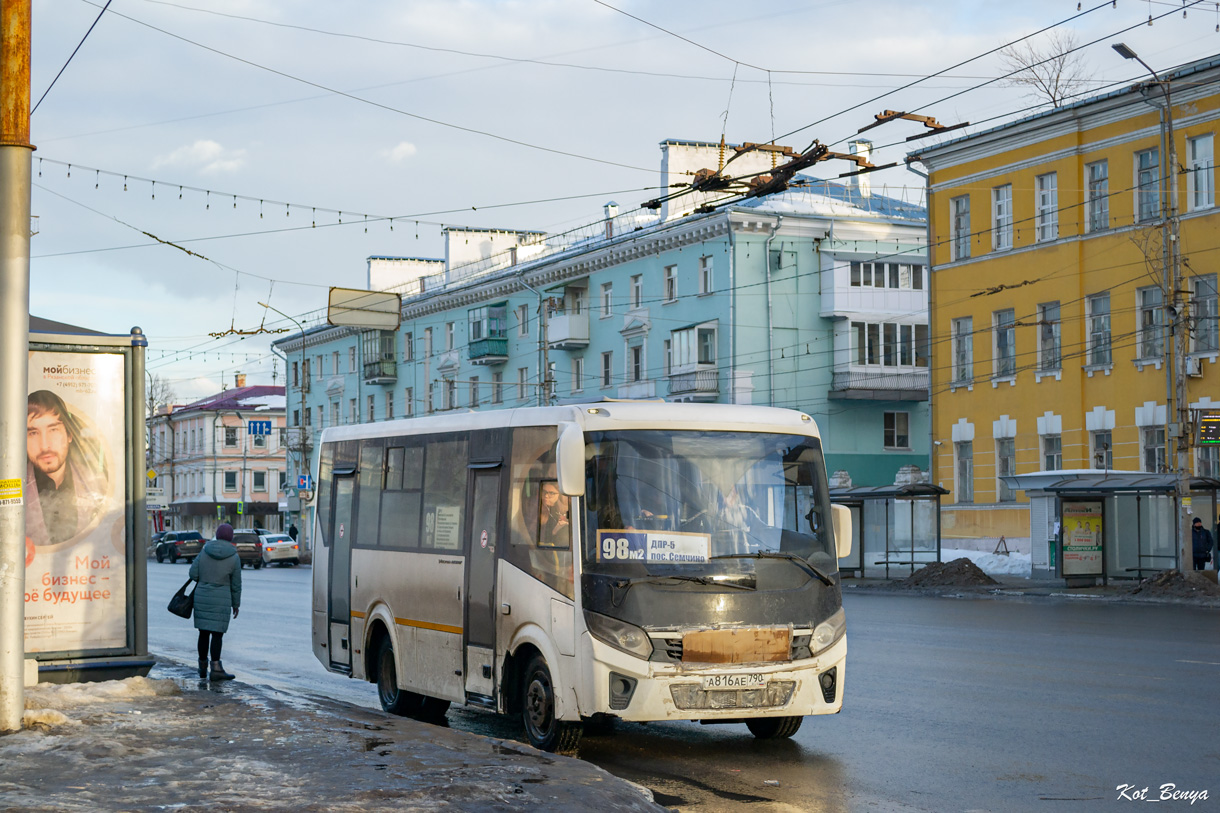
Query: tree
1052,70
158,394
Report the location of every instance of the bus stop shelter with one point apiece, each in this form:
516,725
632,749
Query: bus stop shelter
894,526
1098,525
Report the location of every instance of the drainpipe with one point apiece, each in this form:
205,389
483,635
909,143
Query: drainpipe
770,325
931,337
732,312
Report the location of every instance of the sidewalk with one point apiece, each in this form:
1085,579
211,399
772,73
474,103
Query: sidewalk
1016,587
174,741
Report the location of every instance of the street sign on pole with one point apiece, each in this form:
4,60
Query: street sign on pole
258,427
240,507
305,482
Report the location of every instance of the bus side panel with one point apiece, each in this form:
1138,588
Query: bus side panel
534,618
423,595
321,579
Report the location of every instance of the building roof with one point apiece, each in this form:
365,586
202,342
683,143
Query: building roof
258,398
814,196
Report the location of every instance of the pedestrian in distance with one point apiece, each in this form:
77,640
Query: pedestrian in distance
1201,541
292,531
217,569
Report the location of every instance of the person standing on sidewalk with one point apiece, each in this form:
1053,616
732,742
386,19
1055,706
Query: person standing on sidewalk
1201,541
217,568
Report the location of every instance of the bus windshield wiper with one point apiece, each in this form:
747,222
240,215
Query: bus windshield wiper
799,561
625,584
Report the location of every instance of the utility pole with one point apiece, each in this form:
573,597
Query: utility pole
544,374
15,150
302,458
1178,411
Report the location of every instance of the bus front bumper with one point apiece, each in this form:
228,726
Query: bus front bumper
631,688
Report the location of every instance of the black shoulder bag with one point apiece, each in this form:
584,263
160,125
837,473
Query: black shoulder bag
183,603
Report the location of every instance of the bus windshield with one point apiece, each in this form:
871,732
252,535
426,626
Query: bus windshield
693,502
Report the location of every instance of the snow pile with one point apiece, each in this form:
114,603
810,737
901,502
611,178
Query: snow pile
995,564
1176,584
44,718
44,702
958,573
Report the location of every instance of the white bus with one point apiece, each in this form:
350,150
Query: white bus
644,561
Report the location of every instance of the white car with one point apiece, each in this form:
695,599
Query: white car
280,548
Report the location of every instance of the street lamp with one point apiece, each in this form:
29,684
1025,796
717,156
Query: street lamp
300,387
1177,418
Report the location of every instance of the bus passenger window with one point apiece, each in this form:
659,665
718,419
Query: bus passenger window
554,529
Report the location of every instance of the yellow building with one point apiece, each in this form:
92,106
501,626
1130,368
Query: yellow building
1050,326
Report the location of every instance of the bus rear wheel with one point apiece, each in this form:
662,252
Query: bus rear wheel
774,728
544,731
393,699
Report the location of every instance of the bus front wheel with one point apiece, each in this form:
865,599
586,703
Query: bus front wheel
774,728
393,699
545,732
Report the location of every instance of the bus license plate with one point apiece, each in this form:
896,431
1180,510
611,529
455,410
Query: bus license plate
749,681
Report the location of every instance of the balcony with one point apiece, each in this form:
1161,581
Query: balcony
876,385
382,371
638,389
300,438
568,331
696,385
492,350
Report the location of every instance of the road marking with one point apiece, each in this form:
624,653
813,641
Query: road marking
1205,663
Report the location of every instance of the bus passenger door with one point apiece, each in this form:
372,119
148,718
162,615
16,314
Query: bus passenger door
340,574
483,538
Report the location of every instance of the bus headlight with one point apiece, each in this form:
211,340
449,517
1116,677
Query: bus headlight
829,631
619,634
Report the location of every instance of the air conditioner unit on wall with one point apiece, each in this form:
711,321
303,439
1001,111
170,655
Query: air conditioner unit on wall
1194,368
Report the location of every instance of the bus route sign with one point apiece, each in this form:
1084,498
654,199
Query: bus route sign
653,546
1209,427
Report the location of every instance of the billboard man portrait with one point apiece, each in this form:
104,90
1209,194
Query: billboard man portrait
66,476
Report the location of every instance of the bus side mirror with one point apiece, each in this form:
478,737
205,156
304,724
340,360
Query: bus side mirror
841,516
570,460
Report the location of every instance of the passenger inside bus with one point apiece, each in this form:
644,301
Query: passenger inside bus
551,523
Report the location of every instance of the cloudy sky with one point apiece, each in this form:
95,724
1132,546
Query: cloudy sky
240,129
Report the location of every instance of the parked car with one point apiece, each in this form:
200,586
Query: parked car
249,543
154,541
177,545
280,548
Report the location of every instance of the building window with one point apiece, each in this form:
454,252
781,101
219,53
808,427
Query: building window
667,347
497,388
691,346
1097,195
309,416
1208,462
1151,324
334,360
1206,334
230,481
230,436
1001,217
965,472
959,227
260,441
296,379
636,362
353,412
963,350
318,371
474,393
260,480
1103,450
1200,177
1005,465
322,417
409,402
450,330
1099,329
607,291
671,283
578,374
430,403
706,282
283,437
607,368
1049,348
1046,206
1147,185
283,481
896,434
637,290
1004,323
389,406
1154,450
334,411
523,320
1052,452
351,359
450,394
522,375
487,322
428,342
372,405
408,347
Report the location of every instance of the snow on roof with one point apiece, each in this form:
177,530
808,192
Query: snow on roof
258,397
814,196
263,402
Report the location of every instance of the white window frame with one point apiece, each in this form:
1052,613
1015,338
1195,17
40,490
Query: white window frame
959,227
1052,452
522,378
1205,307
523,320
707,279
1005,464
1097,196
1147,183
1046,207
607,378
230,481
1100,352
254,481
671,283
637,290
607,299
578,373
963,350
896,426
1001,217
1050,347
1004,343
1150,323
1200,176
963,471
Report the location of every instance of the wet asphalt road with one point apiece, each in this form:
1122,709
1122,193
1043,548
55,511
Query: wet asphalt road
951,704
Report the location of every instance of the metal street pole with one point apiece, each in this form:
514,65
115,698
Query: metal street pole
15,149
1178,416
302,461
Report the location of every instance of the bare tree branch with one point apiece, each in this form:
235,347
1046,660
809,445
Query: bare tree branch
158,394
1052,70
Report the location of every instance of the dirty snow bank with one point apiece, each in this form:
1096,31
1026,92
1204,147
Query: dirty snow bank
44,702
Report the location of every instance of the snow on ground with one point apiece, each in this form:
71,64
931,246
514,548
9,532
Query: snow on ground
993,564
45,703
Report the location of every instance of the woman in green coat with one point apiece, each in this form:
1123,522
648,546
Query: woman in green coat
217,568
